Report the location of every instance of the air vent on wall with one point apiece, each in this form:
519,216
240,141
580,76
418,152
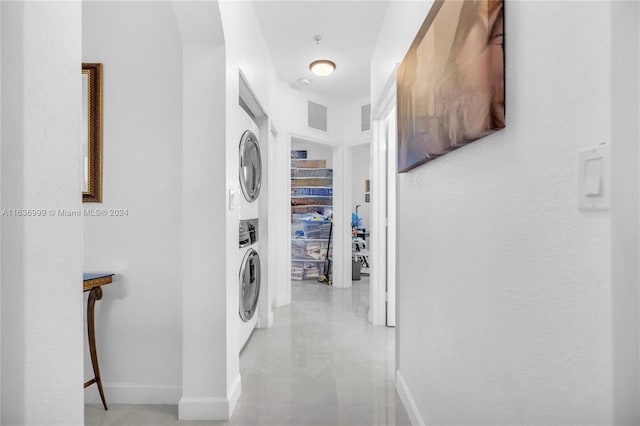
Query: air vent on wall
317,116
365,117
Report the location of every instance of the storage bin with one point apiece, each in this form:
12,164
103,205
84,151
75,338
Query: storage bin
309,163
312,191
318,229
312,181
297,271
319,209
312,173
312,201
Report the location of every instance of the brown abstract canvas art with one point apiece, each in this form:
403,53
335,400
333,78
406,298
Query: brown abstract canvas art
451,81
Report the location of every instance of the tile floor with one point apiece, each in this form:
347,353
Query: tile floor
321,363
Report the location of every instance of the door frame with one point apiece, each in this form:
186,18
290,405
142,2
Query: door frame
341,224
385,104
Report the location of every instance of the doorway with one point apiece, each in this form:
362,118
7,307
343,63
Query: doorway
359,188
335,158
312,192
383,208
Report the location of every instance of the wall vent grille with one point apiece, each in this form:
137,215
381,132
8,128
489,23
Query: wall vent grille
365,117
317,116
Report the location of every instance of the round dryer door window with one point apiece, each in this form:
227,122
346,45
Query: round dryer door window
250,166
249,284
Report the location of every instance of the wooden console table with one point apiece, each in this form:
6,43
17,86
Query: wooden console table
93,282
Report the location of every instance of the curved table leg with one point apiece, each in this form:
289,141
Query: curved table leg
95,294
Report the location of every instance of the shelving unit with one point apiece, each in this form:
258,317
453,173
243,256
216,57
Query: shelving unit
311,195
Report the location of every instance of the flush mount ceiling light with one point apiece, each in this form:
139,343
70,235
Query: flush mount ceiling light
322,67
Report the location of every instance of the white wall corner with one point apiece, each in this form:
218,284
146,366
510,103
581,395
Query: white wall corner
210,408
233,394
407,401
203,408
261,321
282,300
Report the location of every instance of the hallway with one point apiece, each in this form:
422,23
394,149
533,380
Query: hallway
321,363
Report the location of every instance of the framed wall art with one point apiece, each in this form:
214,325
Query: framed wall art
451,81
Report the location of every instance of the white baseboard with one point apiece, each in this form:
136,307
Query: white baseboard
210,408
282,301
234,394
260,323
133,393
407,400
203,408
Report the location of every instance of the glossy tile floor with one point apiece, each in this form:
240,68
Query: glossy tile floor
321,363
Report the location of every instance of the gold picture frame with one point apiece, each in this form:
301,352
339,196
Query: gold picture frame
92,113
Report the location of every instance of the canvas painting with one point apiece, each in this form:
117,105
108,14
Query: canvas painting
451,81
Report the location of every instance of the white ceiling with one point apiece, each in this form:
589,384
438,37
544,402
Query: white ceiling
349,31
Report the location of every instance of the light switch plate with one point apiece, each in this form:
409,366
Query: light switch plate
594,178
233,199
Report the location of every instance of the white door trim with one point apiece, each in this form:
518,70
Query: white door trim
391,216
341,225
383,107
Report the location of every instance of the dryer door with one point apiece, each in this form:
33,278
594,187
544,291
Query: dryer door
249,284
250,166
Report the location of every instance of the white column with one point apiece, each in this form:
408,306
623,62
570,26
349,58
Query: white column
42,303
204,317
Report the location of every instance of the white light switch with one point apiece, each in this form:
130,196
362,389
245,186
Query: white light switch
233,199
593,178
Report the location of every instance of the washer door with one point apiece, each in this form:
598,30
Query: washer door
249,284
250,166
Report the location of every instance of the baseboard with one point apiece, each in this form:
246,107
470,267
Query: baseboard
407,400
282,301
210,408
234,394
203,408
134,393
260,323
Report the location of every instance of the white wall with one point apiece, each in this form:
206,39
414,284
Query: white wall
625,21
293,110
245,51
41,256
351,121
139,317
204,308
1,208
360,169
504,286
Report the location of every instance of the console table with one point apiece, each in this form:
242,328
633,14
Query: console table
93,282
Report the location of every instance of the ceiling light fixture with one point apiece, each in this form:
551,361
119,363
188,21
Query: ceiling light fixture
322,67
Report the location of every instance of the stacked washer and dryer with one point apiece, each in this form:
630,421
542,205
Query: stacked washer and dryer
249,276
